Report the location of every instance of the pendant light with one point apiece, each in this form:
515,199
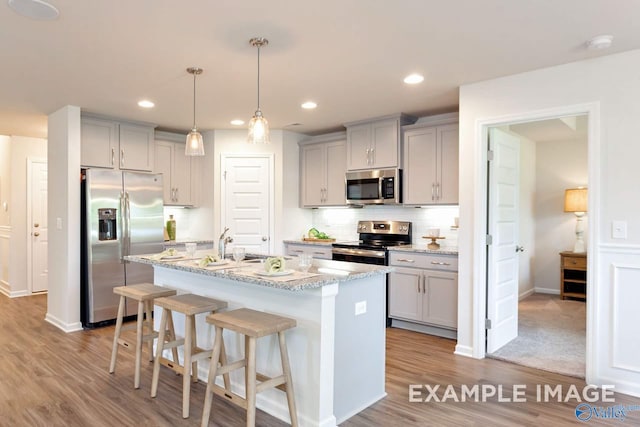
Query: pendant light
194,145
258,126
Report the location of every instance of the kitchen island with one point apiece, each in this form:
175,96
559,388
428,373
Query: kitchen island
337,350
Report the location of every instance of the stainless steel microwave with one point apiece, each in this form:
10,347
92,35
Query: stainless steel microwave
374,187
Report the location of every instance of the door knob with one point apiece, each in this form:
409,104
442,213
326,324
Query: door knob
36,234
36,225
519,248
265,238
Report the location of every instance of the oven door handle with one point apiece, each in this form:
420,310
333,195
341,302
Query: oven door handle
359,252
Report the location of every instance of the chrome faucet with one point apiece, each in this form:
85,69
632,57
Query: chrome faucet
222,243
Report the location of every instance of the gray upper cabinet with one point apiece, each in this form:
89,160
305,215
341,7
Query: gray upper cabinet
178,171
375,144
430,167
322,171
116,145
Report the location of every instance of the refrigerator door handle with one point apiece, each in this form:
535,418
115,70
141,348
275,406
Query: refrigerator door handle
121,227
127,248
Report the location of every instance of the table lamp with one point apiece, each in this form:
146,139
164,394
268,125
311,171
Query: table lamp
575,200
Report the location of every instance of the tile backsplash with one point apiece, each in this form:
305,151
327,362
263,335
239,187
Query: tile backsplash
341,223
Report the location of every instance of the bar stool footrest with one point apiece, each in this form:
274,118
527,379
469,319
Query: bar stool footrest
231,367
230,396
268,382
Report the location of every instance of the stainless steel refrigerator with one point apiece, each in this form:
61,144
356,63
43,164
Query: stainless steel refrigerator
121,215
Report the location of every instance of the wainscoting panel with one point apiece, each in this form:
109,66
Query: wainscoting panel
625,334
5,236
615,331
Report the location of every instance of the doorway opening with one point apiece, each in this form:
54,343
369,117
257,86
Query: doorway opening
533,163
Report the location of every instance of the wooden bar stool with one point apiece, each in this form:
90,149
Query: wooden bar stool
252,324
189,305
144,293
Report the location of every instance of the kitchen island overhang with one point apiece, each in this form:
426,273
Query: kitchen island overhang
337,356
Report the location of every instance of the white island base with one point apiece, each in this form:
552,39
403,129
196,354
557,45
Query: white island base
337,357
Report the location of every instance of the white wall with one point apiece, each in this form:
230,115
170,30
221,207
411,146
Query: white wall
5,217
284,148
22,148
63,300
561,165
609,89
14,227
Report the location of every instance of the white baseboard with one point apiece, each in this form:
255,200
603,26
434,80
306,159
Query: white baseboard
66,327
463,350
5,289
526,294
547,291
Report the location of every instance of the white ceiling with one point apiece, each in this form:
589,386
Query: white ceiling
573,128
349,56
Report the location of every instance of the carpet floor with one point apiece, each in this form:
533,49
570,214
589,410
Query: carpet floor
551,336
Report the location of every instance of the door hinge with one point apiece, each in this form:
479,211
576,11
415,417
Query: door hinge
224,175
489,239
487,323
489,155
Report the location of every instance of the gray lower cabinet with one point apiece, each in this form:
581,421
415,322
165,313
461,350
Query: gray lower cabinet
424,289
317,251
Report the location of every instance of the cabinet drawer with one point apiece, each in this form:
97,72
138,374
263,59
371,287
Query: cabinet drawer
316,251
574,262
423,260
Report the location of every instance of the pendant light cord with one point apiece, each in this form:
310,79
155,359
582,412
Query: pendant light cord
194,100
258,78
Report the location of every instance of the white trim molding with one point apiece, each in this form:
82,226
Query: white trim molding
66,327
479,267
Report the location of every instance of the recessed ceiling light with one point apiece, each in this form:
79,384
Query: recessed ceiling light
145,103
413,79
237,122
309,105
34,9
600,42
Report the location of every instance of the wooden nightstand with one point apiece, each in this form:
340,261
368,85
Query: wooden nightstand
573,275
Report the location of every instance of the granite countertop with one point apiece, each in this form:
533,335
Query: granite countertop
323,272
444,250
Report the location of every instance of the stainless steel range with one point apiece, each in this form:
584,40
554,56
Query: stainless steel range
375,238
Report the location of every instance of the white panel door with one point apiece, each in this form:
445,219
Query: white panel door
39,270
247,199
502,259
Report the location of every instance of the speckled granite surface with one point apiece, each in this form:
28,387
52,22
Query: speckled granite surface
328,272
444,250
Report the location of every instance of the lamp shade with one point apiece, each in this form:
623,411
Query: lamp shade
575,200
194,145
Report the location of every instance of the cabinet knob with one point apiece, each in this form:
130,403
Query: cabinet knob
265,238
519,248
36,234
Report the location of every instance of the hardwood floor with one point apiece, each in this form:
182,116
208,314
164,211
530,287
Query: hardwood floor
49,378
